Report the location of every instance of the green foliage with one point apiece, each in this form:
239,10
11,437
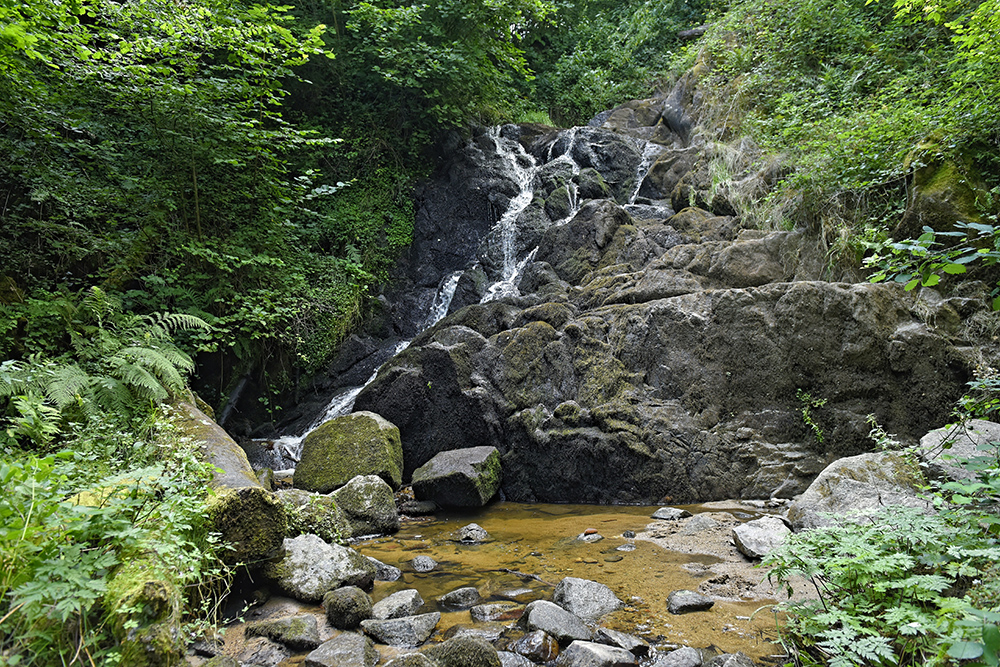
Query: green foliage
65,527
808,405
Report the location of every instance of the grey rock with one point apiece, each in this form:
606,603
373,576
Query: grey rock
400,603
555,621
296,632
347,606
472,534
731,660
459,478
464,652
496,611
670,514
508,659
403,631
635,645
423,564
418,507
263,651
491,632
589,654
684,602
589,538
348,649
586,599
537,645
699,523
314,514
385,572
460,598
411,660
757,538
311,567
858,486
682,657
941,446
369,505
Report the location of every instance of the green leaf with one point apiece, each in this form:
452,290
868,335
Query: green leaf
954,269
912,284
965,650
931,280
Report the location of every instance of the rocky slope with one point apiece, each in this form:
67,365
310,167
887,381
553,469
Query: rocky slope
620,336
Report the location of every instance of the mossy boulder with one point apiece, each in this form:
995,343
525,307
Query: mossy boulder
368,505
250,520
362,443
945,190
149,632
316,514
460,477
464,652
300,631
558,205
233,469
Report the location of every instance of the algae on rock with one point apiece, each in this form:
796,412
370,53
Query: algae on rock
362,443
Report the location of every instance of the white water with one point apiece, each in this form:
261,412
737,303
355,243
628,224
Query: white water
290,446
649,154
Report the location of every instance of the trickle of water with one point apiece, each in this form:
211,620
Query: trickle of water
442,300
650,152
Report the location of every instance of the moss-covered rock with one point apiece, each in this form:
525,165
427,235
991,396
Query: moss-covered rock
149,631
316,514
233,470
362,443
369,506
460,477
558,206
464,652
250,520
347,606
296,632
591,185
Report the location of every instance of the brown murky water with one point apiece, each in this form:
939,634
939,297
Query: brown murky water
541,541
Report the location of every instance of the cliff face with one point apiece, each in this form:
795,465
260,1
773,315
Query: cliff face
619,335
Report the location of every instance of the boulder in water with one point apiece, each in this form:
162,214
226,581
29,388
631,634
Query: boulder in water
590,654
464,652
362,443
402,631
311,567
400,603
459,478
584,598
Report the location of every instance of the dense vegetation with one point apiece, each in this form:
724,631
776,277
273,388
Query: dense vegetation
221,188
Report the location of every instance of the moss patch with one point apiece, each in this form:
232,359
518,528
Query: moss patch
251,521
362,443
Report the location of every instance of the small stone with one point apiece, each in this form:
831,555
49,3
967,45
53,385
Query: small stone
590,531
472,534
731,660
464,651
508,659
263,651
628,534
418,507
537,646
491,632
757,538
585,599
670,514
591,538
682,657
296,632
496,611
346,607
348,649
589,654
423,564
411,660
683,602
634,645
404,631
385,572
460,598
397,605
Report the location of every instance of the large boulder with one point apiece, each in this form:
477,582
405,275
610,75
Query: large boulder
369,506
464,652
587,599
296,632
347,606
362,443
855,488
555,621
311,567
459,478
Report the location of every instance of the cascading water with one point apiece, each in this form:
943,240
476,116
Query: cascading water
650,152
288,448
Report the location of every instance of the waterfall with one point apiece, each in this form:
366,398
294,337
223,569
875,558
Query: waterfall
650,152
289,447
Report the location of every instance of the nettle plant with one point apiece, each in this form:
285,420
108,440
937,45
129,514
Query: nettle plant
908,586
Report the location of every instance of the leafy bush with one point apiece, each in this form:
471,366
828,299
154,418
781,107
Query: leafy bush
905,587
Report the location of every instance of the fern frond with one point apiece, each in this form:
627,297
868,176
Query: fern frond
100,305
67,386
163,363
138,379
111,395
11,378
171,322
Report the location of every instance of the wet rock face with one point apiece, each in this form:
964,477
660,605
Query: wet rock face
647,354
